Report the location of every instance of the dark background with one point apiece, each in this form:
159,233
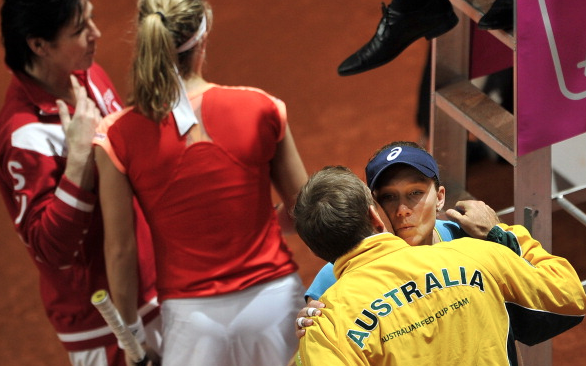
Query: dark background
290,49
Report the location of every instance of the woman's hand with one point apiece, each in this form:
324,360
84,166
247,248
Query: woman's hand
151,355
475,217
312,309
79,132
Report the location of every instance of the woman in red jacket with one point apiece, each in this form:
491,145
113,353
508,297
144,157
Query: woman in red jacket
47,171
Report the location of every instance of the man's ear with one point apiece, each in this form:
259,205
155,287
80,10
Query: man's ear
37,45
375,219
441,198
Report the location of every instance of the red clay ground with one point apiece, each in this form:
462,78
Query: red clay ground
291,49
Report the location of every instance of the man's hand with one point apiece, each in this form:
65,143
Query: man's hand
312,309
475,217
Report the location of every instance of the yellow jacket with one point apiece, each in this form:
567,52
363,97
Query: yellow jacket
446,304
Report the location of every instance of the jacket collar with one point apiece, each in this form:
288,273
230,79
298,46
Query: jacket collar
44,101
367,250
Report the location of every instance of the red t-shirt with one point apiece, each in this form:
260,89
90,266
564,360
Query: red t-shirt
208,204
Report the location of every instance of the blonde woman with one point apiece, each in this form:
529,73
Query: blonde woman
201,159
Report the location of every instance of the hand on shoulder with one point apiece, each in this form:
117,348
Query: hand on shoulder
475,217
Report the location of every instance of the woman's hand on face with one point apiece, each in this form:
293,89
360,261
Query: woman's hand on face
79,133
81,127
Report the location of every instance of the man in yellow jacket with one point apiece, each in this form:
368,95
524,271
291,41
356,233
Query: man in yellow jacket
447,304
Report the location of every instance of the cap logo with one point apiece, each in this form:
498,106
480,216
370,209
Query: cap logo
394,153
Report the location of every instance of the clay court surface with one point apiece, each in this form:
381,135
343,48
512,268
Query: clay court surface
290,49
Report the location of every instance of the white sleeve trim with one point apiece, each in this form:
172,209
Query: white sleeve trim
73,202
105,330
44,138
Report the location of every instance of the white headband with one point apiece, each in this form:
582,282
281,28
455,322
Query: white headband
195,38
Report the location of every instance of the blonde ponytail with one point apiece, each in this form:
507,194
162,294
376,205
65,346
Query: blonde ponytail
163,25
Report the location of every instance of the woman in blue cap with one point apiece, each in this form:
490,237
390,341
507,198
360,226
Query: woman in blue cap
404,180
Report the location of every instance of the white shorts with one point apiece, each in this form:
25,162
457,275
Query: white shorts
253,327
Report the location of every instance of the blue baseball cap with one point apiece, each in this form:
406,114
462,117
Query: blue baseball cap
417,158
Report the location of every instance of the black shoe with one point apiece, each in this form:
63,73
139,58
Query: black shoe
396,31
499,16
